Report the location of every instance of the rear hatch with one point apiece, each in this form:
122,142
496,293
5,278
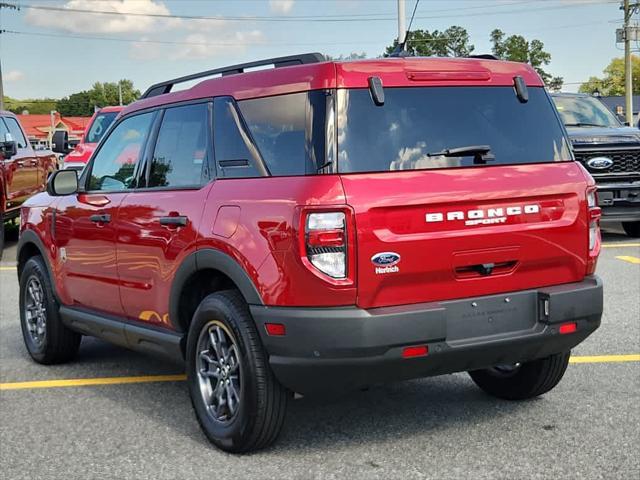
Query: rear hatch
505,214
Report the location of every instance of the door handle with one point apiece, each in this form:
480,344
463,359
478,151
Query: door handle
103,218
174,221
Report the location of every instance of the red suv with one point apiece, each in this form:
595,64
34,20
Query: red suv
323,226
98,126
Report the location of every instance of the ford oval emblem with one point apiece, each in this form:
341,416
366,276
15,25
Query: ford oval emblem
599,163
385,259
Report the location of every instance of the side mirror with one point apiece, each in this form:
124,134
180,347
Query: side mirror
63,182
60,142
8,147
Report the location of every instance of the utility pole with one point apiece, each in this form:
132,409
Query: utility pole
629,34
1,88
402,17
120,91
9,6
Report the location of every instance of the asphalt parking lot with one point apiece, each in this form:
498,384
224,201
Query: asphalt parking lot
443,427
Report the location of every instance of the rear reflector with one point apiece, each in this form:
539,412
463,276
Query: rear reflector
417,351
275,329
568,328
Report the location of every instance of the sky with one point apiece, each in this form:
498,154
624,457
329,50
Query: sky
58,53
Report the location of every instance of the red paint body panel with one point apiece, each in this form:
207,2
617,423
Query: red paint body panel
149,254
266,240
89,275
547,248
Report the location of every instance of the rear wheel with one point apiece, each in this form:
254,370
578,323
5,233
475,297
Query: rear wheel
238,401
47,340
525,380
632,229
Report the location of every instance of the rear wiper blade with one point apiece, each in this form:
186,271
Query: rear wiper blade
480,153
583,124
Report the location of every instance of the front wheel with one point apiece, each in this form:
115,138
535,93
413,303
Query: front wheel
522,380
238,402
47,339
632,229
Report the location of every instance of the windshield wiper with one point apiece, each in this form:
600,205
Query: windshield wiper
583,124
480,153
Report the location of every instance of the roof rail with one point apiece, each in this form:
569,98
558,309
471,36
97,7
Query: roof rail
302,59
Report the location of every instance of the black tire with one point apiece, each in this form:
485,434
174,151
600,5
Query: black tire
528,380
260,412
57,344
632,229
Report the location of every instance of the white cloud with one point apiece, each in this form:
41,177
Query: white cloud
216,42
105,23
281,6
200,39
13,76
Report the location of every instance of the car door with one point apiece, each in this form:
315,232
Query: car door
86,222
22,168
158,222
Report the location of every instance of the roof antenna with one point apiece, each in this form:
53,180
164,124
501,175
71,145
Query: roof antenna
400,50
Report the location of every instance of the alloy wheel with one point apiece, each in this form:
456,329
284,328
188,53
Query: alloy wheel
35,311
219,371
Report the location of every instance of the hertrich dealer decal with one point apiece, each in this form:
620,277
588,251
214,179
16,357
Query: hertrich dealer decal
483,216
386,262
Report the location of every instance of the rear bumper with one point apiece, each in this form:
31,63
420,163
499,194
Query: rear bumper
326,350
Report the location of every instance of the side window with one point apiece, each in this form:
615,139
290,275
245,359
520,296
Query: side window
181,149
16,132
114,165
278,126
235,153
3,130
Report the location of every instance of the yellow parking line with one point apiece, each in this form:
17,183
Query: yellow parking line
7,268
634,357
620,245
83,382
629,259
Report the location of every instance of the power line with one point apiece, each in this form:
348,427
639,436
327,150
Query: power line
308,18
257,43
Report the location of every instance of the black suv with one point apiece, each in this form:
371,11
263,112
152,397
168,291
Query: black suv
611,153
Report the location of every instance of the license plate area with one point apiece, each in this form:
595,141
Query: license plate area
493,315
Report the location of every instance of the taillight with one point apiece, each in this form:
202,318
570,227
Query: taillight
593,216
326,243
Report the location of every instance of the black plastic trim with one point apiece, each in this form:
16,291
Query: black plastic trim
31,237
125,334
215,259
328,349
300,59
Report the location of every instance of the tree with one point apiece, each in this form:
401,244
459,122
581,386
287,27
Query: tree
516,48
31,105
452,42
612,83
101,95
76,105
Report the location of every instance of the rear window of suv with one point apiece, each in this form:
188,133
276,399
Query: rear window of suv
417,123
